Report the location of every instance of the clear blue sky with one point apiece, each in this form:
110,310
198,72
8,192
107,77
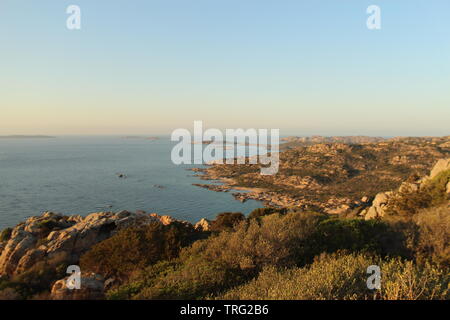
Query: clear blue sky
147,67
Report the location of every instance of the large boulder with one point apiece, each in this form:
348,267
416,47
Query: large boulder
441,165
379,206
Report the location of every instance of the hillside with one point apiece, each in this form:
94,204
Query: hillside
334,177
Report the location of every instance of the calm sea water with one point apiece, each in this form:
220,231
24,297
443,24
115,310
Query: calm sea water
73,175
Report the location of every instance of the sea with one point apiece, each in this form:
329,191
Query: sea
80,175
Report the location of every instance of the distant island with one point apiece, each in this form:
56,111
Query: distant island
18,136
141,137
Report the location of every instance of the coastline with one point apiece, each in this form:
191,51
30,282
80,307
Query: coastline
263,195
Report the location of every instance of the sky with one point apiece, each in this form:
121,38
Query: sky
149,67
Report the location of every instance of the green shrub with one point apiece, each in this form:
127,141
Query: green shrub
193,280
263,246
358,235
230,257
260,212
133,249
226,221
142,280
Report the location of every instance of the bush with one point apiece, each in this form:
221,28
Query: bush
280,240
226,221
142,280
358,235
343,276
230,257
133,249
235,256
434,235
404,280
193,280
260,212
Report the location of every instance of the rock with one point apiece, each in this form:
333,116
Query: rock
29,259
379,204
441,165
448,187
166,220
91,288
365,199
338,210
407,187
20,242
34,240
203,225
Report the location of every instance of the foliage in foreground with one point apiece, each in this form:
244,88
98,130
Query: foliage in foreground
278,254
343,276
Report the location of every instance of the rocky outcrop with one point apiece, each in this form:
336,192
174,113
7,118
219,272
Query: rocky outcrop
441,165
54,236
380,204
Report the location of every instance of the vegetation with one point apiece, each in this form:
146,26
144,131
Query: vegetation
135,248
35,281
343,276
432,193
226,221
304,255
337,170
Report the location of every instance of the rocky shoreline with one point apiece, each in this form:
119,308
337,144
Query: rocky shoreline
271,198
53,239
334,205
